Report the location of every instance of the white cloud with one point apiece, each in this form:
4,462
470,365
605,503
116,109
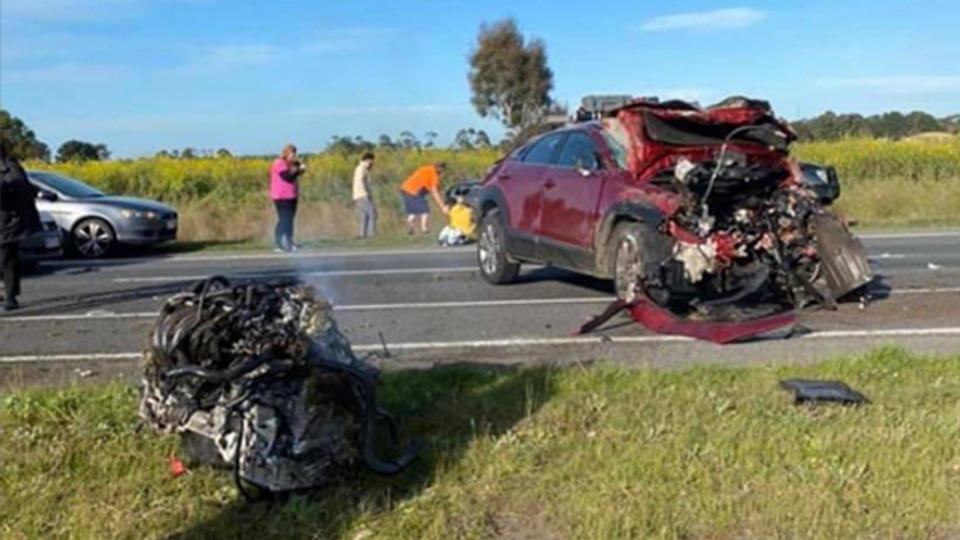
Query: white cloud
897,84
718,19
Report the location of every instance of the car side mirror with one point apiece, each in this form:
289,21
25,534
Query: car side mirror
584,172
48,196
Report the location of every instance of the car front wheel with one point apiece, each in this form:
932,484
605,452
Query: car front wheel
495,266
93,237
631,249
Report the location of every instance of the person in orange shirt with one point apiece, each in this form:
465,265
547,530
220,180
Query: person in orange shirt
414,190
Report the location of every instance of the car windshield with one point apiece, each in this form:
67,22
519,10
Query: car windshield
615,134
69,187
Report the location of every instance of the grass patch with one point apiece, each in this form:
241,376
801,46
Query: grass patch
600,452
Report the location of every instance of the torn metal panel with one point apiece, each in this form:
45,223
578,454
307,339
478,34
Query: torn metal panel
846,266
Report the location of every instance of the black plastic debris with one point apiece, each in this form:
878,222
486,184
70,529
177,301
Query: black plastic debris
813,391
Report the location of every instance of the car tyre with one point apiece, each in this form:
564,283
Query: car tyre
93,238
631,245
495,265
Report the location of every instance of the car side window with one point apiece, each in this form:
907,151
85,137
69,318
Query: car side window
542,152
579,152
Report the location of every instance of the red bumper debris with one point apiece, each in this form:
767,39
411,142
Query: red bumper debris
662,321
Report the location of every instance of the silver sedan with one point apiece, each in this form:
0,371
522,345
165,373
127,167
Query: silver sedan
94,223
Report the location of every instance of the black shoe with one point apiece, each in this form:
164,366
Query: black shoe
11,304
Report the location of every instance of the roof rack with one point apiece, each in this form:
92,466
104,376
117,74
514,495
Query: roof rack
595,107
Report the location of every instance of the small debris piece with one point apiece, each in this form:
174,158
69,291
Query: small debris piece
177,468
932,266
84,373
597,321
798,330
814,391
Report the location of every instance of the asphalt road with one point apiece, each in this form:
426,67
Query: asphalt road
90,319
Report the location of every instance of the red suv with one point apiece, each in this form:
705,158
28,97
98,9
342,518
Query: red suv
699,210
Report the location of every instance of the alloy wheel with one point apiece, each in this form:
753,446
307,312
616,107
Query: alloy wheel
489,248
628,269
93,238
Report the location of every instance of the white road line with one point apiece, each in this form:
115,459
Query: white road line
31,358
919,234
478,303
319,254
259,256
924,256
627,340
106,315
527,342
96,316
464,304
326,273
938,290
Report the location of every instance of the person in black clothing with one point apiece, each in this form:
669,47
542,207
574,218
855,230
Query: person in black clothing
18,218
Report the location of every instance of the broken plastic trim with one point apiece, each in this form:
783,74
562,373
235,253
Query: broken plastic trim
813,391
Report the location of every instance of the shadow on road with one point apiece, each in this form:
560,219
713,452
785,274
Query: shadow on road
78,302
447,407
565,276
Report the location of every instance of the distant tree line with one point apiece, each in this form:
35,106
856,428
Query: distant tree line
465,139
894,125
193,153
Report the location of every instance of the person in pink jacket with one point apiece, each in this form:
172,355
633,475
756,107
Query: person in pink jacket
284,191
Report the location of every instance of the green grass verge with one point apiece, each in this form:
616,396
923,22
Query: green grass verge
600,452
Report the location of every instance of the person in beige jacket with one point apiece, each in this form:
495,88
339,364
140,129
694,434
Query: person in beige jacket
363,197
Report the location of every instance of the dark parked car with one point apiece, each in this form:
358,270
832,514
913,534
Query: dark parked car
822,180
469,190
93,223
43,244
699,211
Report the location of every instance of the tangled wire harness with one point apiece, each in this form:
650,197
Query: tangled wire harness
259,377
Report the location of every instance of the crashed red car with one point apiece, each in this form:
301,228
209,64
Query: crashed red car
699,215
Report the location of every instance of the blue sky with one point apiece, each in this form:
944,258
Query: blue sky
140,75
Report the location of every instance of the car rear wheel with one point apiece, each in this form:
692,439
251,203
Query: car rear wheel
93,237
495,265
630,247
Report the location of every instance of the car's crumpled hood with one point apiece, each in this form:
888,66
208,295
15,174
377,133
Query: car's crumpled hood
651,134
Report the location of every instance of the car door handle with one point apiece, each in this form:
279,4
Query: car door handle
549,184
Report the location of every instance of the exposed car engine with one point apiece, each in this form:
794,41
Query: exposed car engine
259,378
749,233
